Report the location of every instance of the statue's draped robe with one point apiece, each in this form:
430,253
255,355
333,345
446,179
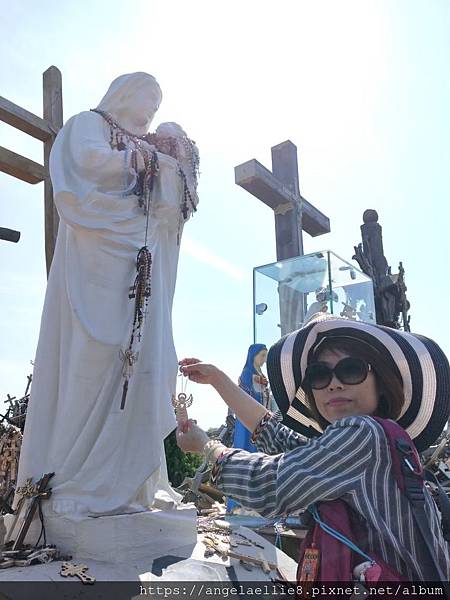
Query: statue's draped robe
105,459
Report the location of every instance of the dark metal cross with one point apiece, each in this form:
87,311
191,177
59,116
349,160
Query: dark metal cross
280,190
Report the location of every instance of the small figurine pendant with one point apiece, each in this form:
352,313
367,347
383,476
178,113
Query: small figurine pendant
310,564
181,404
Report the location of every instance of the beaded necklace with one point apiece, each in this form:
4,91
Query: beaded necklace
122,139
117,129
176,147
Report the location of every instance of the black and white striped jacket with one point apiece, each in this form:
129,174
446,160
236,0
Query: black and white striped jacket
351,460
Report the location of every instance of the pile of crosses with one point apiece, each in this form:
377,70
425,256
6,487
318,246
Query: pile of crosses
10,444
437,460
28,556
13,551
11,429
17,409
197,489
219,539
227,550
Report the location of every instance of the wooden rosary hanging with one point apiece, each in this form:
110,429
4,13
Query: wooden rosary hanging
147,146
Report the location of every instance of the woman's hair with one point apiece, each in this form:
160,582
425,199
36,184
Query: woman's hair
387,377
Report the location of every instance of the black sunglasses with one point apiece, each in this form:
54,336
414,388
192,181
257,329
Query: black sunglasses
350,371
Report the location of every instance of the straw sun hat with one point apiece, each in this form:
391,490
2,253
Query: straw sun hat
423,367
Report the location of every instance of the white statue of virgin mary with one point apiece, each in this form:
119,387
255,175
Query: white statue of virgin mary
105,367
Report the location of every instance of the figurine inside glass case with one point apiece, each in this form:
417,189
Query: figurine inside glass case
288,293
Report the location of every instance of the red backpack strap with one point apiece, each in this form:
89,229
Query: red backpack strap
404,455
336,559
408,472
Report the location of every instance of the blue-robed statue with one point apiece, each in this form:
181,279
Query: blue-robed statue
252,381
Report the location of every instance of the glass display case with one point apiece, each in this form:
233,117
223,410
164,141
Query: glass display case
288,292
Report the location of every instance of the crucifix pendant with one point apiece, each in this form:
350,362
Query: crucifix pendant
129,358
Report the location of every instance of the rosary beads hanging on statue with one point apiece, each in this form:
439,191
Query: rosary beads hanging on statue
169,139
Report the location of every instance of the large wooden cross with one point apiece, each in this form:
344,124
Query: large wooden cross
280,190
44,129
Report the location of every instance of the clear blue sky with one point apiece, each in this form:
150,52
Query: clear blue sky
360,86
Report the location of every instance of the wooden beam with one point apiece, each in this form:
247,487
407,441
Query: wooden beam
53,114
26,121
9,235
314,222
288,227
21,167
261,183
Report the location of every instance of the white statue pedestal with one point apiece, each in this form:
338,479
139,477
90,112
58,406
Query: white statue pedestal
121,538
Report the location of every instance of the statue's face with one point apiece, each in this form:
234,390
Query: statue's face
260,358
143,103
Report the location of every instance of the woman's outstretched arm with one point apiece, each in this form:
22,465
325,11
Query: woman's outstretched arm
247,409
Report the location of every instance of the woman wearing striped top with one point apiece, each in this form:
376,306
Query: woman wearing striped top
329,379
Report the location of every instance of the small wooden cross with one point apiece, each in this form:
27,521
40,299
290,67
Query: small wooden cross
24,492
68,569
40,491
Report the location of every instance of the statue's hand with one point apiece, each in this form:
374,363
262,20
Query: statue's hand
263,380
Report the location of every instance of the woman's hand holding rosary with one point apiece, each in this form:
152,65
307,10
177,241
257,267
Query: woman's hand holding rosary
190,437
247,409
199,372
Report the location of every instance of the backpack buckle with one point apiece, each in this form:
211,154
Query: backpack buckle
409,457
